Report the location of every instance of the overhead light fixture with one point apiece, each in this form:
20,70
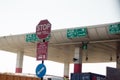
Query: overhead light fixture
86,58
75,59
84,45
111,58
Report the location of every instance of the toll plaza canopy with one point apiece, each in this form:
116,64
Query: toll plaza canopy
101,43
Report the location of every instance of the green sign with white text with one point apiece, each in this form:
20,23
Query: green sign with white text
114,29
34,38
77,32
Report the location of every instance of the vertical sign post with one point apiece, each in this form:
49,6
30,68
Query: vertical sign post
43,30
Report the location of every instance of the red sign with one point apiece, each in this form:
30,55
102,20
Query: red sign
42,49
43,29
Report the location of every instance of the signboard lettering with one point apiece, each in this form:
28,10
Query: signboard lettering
43,29
77,32
114,29
42,49
33,38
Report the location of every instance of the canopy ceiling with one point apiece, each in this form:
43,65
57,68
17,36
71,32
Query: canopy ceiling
101,44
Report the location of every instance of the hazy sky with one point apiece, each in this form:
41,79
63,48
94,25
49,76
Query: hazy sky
22,16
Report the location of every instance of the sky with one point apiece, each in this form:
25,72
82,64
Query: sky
53,68
22,16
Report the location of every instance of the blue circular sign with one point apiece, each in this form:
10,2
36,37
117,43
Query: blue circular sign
40,70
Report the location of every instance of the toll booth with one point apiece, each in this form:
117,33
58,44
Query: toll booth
87,76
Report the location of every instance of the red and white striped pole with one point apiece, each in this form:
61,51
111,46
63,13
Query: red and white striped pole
19,62
66,70
77,60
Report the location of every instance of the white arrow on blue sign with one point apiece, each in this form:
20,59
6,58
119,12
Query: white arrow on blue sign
40,70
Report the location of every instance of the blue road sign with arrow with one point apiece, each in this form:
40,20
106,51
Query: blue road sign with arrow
40,70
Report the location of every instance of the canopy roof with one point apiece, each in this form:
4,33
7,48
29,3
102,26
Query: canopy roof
101,44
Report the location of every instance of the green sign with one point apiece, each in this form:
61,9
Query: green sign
114,29
76,33
34,38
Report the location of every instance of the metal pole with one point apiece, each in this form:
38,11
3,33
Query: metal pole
42,63
42,60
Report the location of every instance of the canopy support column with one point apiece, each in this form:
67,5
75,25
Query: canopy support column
19,62
66,70
78,60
